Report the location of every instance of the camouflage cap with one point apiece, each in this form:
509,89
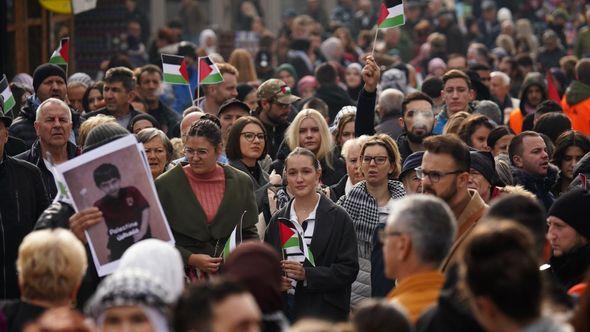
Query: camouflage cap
276,89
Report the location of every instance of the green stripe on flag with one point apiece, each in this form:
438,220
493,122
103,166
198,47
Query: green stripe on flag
58,60
292,242
213,79
392,22
174,79
9,104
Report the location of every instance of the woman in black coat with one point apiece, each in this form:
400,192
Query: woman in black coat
317,275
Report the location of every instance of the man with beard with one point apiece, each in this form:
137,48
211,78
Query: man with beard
53,126
568,233
532,93
417,120
445,173
530,166
274,104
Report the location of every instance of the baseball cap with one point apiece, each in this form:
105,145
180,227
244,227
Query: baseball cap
233,102
277,89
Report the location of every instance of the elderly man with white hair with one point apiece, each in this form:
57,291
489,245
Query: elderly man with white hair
500,89
419,233
53,126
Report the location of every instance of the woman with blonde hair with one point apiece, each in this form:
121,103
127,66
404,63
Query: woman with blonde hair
242,60
368,204
309,130
50,265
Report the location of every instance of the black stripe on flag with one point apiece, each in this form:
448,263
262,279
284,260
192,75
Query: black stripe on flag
392,3
3,83
172,59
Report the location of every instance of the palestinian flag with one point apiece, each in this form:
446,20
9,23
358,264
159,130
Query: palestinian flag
291,235
174,69
9,101
208,72
61,56
391,14
234,240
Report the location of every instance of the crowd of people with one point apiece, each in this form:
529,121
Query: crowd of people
435,179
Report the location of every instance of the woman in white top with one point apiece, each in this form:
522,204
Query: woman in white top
317,241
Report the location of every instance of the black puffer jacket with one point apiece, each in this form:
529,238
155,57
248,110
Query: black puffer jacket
540,186
22,200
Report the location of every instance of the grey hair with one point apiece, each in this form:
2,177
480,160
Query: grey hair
390,101
490,110
359,141
147,134
56,101
429,222
505,78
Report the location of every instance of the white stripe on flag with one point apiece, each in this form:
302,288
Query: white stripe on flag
395,11
171,69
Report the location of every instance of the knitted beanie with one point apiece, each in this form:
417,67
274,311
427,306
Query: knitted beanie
103,134
46,70
572,208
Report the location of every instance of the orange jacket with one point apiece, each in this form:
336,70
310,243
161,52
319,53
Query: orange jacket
579,114
516,120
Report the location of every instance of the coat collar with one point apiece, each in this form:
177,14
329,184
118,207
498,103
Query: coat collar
324,224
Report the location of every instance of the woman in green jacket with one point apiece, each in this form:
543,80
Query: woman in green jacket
204,201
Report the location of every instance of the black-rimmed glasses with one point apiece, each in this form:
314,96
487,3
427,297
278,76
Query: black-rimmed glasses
434,176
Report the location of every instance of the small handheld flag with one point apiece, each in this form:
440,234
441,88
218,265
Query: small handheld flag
61,56
208,72
174,69
391,14
291,235
234,239
9,101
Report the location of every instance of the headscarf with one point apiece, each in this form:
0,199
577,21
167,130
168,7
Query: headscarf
159,259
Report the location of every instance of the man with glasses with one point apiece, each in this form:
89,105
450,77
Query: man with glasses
419,234
458,94
274,104
445,174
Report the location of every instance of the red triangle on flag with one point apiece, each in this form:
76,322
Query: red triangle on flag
285,233
183,70
204,68
383,13
65,49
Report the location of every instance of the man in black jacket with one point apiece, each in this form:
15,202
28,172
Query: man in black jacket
149,86
569,234
22,200
53,126
119,83
49,81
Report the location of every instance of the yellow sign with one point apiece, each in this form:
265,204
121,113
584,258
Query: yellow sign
57,6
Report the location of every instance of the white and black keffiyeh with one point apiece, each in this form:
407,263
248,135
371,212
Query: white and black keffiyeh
364,212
